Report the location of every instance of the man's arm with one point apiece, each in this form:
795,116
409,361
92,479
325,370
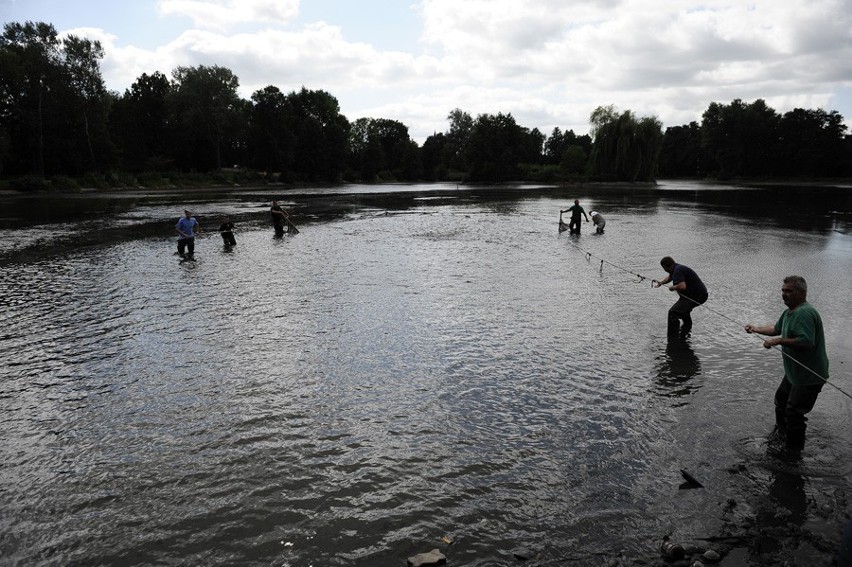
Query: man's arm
768,330
662,282
793,342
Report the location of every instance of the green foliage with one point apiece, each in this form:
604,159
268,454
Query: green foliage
681,153
29,184
140,125
381,149
54,107
812,143
64,184
624,149
94,181
497,146
207,115
271,131
321,136
752,140
574,160
153,180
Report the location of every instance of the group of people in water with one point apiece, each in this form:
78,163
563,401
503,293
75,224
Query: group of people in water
187,227
576,212
798,331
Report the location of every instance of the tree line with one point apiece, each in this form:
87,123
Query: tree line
57,118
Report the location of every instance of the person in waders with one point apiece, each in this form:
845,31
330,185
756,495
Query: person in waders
576,211
691,292
226,229
186,228
799,333
279,218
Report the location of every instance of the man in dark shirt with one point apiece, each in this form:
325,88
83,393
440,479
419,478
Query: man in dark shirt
226,229
692,293
576,211
279,217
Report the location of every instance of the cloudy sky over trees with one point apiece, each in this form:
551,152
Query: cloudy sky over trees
547,62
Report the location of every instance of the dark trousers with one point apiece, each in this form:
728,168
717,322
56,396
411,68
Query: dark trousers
680,311
792,403
574,225
228,239
279,229
186,243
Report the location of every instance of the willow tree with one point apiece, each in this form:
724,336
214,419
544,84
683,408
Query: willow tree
624,148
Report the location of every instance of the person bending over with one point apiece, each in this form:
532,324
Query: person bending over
691,292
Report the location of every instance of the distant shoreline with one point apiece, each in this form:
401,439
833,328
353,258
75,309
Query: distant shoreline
128,191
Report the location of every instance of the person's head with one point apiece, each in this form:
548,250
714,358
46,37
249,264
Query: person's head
576,201
187,213
274,203
668,264
227,219
794,291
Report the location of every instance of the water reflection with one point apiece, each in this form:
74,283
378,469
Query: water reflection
787,490
783,507
676,367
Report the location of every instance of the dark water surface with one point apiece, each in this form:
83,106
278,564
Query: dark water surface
419,364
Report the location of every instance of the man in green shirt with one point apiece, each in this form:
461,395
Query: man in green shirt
799,333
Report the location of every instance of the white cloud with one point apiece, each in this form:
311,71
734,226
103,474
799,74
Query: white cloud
217,14
548,63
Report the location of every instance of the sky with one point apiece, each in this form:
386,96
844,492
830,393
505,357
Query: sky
548,63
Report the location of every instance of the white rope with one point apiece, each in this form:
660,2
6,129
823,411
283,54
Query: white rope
642,278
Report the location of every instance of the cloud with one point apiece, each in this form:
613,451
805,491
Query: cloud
547,62
213,14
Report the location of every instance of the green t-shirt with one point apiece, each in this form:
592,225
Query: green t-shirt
805,324
576,211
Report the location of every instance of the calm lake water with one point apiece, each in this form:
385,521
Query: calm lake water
422,364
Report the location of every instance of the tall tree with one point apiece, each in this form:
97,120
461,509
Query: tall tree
432,157
740,138
380,145
30,77
811,143
496,146
322,135
139,123
271,138
532,146
557,143
208,114
681,152
82,63
458,138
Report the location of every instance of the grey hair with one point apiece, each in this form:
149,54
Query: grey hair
798,282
